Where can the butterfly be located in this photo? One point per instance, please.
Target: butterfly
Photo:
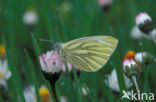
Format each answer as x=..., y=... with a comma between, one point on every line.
x=87, y=53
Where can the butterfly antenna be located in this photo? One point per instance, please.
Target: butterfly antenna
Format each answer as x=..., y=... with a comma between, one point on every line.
x=44, y=40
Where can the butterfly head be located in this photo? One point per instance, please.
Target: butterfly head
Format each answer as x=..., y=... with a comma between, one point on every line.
x=56, y=46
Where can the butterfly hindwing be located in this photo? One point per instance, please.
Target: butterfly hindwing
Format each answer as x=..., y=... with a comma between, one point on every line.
x=89, y=53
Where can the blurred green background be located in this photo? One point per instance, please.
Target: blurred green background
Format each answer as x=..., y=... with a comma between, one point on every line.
x=62, y=22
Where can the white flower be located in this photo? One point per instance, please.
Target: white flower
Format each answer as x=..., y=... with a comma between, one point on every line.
x=139, y=56
x=144, y=23
x=104, y=2
x=113, y=81
x=29, y=94
x=142, y=17
x=51, y=62
x=63, y=99
x=5, y=73
x=136, y=33
x=30, y=18
x=128, y=63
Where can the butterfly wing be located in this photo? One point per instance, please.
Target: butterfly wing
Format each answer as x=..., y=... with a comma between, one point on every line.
x=89, y=53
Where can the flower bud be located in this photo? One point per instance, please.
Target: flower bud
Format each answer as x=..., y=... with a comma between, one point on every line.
x=130, y=67
x=105, y=4
x=144, y=22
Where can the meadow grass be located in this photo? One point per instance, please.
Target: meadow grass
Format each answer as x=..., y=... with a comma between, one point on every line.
x=85, y=19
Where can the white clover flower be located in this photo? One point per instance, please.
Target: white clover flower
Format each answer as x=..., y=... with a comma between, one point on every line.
x=51, y=62
x=30, y=18
x=136, y=33
x=5, y=73
x=112, y=81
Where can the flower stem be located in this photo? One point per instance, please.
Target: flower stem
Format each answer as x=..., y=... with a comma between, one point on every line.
x=135, y=83
x=54, y=91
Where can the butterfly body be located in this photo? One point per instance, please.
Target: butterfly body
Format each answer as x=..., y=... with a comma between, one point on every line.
x=87, y=53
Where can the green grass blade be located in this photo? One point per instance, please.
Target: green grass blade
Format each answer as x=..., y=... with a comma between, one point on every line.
x=15, y=75
x=34, y=78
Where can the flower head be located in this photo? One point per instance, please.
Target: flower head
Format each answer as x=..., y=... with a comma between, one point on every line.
x=30, y=95
x=112, y=81
x=144, y=57
x=105, y=4
x=44, y=94
x=130, y=67
x=144, y=22
x=5, y=73
x=51, y=62
x=30, y=18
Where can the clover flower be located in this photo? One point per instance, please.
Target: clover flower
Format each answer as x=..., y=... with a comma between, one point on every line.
x=105, y=4
x=112, y=81
x=30, y=18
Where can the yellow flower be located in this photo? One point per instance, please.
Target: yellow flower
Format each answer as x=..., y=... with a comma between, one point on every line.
x=2, y=50
x=44, y=94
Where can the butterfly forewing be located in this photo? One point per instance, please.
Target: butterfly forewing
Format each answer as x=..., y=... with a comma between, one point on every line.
x=89, y=53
